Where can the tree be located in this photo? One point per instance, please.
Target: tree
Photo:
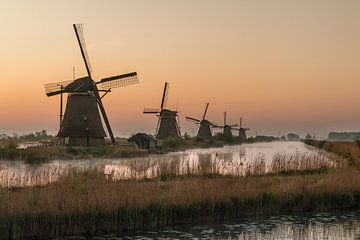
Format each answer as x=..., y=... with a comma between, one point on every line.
x=293, y=137
x=308, y=136
x=10, y=149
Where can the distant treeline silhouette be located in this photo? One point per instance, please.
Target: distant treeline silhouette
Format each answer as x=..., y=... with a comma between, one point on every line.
x=40, y=135
x=350, y=136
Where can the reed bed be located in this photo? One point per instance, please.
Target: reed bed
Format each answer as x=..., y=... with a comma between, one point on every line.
x=298, y=162
x=19, y=174
x=350, y=151
x=213, y=164
x=90, y=205
x=205, y=187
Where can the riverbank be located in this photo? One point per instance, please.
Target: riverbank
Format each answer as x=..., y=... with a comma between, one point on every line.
x=347, y=150
x=48, y=153
x=42, y=154
x=90, y=205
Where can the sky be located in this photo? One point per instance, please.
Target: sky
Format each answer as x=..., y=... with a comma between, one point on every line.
x=283, y=65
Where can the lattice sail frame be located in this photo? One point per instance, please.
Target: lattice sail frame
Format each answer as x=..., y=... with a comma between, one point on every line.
x=55, y=87
x=107, y=85
x=80, y=32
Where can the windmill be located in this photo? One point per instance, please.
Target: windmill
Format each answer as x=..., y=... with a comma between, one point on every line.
x=167, y=123
x=242, y=131
x=204, y=132
x=81, y=124
x=227, y=127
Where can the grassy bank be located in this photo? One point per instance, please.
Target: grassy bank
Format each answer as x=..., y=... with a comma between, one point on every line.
x=176, y=144
x=89, y=204
x=348, y=150
x=41, y=154
x=47, y=153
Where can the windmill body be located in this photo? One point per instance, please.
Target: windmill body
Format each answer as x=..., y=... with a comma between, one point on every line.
x=168, y=126
x=242, y=132
x=204, y=132
x=227, y=131
x=81, y=123
x=227, y=128
x=167, y=123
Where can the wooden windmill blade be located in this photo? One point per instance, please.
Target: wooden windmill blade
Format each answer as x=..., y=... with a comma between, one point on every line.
x=214, y=125
x=151, y=111
x=52, y=89
x=164, y=96
x=193, y=119
x=118, y=81
x=178, y=126
x=205, y=111
x=78, y=28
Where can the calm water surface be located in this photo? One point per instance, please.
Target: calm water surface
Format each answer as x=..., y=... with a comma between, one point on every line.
x=228, y=160
x=318, y=226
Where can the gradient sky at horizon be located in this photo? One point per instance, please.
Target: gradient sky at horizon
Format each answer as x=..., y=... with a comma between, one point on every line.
x=285, y=66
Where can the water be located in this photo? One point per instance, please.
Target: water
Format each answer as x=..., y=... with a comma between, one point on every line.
x=229, y=160
x=317, y=226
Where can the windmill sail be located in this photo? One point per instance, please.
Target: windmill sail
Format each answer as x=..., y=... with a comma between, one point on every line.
x=81, y=40
x=205, y=111
x=193, y=119
x=52, y=89
x=118, y=81
x=151, y=110
x=164, y=96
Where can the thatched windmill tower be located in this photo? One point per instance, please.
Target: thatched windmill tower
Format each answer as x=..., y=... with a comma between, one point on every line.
x=167, y=123
x=242, y=132
x=204, y=132
x=81, y=124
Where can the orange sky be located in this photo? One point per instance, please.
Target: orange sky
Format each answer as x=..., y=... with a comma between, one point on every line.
x=283, y=65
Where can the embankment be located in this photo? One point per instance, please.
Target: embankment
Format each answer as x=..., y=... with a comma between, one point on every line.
x=348, y=150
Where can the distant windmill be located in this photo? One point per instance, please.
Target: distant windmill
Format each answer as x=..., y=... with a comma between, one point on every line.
x=242, y=132
x=227, y=127
x=204, y=132
x=167, y=124
x=81, y=123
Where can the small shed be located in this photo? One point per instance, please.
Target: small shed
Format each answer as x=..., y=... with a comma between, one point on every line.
x=143, y=140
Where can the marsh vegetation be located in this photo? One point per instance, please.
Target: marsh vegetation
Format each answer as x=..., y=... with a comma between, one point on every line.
x=200, y=190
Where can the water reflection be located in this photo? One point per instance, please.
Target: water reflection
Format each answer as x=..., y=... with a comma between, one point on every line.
x=343, y=226
x=229, y=160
